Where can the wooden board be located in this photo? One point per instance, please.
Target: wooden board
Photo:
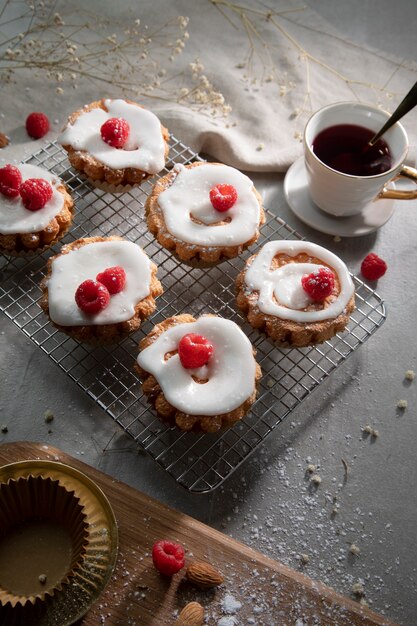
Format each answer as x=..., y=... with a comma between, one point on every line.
x=269, y=593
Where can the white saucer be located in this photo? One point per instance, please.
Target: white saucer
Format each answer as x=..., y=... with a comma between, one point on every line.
x=373, y=216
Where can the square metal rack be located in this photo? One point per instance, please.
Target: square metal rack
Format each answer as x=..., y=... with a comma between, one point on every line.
x=198, y=462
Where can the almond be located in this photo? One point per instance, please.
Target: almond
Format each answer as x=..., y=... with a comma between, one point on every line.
x=203, y=575
x=4, y=141
x=191, y=615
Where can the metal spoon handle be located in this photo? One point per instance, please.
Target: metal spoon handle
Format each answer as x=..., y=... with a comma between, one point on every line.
x=404, y=107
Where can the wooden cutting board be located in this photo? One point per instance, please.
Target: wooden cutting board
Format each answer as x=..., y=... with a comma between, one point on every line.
x=269, y=593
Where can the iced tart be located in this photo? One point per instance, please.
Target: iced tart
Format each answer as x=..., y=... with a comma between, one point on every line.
x=199, y=374
x=99, y=289
x=36, y=209
x=205, y=212
x=298, y=292
x=117, y=142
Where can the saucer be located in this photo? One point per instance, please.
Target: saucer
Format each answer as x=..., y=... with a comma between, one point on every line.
x=372, y=217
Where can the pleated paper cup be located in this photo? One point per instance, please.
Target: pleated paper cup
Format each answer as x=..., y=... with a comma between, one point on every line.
x=43, y=539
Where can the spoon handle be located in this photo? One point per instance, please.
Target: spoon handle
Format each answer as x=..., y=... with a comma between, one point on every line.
x=404, y=107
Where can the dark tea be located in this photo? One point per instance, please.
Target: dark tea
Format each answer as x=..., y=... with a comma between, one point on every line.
x=344, y=148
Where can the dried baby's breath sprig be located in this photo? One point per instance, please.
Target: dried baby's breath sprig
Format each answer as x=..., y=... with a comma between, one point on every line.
x=264, y=29
x=69, y=47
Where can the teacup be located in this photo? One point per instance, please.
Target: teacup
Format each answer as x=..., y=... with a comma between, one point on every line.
x=343, y=194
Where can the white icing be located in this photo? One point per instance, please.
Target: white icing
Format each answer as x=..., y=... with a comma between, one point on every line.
x=189, y=196
x=15, y=218
x=144, y=148
x=230, y=371
x=70, y=270
x=280, y=289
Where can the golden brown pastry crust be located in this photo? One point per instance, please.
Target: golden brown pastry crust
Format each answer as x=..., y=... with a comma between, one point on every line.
x=84, y=162
x=168, y=413
x=288, y=332
x=20, y=243
x=106, y=333
x=186, y=251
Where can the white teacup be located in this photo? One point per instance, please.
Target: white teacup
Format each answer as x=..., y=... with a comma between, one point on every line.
x=343, y=194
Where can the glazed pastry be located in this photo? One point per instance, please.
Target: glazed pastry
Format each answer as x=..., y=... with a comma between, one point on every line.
x=36, y=209
x=99, y=289
x=117, y=142
x=205, y=211
x=199, y=374
x=297, y=292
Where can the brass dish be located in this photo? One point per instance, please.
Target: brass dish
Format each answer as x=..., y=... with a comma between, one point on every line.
x=91, y=577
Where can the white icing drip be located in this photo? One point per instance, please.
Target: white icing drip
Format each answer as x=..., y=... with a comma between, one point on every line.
x=15, y=218
x=144, y=149
x=285, y=280
x=189, y=196
x=230, y=371
x=70, y=270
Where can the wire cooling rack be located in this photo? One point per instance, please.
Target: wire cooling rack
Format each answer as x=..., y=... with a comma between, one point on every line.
x=197, y=462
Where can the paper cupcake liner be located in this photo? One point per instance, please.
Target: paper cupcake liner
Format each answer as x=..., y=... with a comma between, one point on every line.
x=43, y=535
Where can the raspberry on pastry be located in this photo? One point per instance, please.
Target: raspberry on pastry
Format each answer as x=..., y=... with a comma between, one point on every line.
x=297, y=292
x=216, y=384
x=81, y=306
x=117, y=142
x=36, y=209
x=205, y=212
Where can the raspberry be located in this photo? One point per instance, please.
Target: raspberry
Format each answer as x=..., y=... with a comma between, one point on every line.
x=168, y=557
x=37, y=125
x=10, y=181
x=223, y=197
x=194, y=350
x=35, y=193
x=373, y=267
x=114, y=278
x=92, y=297
x=115, y=132
x=319, y=284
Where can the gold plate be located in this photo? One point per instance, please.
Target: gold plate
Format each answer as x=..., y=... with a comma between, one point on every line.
x=92, y=576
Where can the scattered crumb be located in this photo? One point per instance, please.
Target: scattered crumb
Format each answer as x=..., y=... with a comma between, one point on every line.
x=354, y=549
x=410, y=375
x=4, y=429
x=369, y=430
x=358, y=590
x=402, y=404
x=337, y=238
x=49, y=416
x=316, y=479
x=260, y=147
x=304, y=558
x=311, y=468
x=42, y=579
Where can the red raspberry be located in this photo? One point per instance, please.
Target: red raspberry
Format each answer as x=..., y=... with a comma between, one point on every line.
x=115, y=132
x=373, y=267
x=35, y=193
x=168, y=557
x=37, y=125
x=92, y=297
x=223, y=197
x=194, y=350
x=319, y=284
x=10, y=181
x=114, y=278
